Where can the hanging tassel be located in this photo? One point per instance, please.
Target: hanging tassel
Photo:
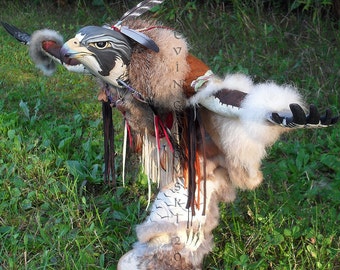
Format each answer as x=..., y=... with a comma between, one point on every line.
x=149, y=194
x=109, y=150
x=198, y=178
x=162, y=131
x=157, y=135
x=194, y=132
x=191, y=138
x=164, y=158
x=202, y=134
x=147, y=163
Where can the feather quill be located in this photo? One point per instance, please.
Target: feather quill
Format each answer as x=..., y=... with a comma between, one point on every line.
x=135, y=12
x=140, y=9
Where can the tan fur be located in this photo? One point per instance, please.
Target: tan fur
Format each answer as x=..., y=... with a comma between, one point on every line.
x=243, y=167
x=138, y=114
x=160, y=76
x=165, y=259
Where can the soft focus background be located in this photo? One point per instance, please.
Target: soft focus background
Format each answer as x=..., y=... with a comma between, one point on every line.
x=55, y=210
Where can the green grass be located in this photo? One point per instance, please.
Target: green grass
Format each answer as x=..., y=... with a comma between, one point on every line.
x=55, y=211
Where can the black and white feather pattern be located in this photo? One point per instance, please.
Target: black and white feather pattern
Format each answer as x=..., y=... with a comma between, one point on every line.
x=21, y=36
x=135, y=12
x=140, y=9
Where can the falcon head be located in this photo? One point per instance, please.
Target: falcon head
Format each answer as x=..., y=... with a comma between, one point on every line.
x=104, y=52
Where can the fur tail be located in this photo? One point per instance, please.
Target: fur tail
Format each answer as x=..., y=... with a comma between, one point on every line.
x=40, y=57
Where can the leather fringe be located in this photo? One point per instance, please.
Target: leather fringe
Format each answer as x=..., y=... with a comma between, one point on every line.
x=194, y=133
x=109, y=149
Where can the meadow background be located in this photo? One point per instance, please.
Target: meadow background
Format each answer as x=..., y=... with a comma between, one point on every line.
x=55, y=210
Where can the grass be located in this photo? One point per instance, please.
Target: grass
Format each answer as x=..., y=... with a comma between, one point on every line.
x=55, y=211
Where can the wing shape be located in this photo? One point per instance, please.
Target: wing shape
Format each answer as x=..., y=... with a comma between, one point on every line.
x=262, y=103
x=299, y=119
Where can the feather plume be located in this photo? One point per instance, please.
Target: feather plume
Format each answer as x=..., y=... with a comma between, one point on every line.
x=19, y=35
x=140, y=9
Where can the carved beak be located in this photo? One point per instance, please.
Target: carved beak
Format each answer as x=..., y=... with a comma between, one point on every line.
x=74, y=49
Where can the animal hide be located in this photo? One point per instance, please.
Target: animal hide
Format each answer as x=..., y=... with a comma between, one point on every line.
x=159, y=76
x=168, y=239
x=243, y=138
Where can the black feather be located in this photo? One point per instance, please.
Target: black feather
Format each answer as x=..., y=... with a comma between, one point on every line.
x=19, y=35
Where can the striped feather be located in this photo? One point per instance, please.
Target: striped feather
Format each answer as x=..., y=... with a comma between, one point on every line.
x=140, y=9
x=19, y=35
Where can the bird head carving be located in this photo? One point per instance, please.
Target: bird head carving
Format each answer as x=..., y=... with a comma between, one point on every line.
x=104, y=53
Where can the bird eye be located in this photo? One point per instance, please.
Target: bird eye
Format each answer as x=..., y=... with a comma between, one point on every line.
x=101, y=44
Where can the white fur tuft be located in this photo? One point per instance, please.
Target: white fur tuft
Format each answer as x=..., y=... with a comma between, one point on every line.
x=262, y=100
x=42, y=60
x=244, y=139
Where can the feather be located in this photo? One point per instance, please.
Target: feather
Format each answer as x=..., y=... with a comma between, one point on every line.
x=297, y=118
x=137, y=11
x=140, y=9
x=19, y=35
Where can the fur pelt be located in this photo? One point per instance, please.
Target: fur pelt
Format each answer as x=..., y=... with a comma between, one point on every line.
x=235, y=147
x=243, y=140
x=167, y=239
x=160, y=76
